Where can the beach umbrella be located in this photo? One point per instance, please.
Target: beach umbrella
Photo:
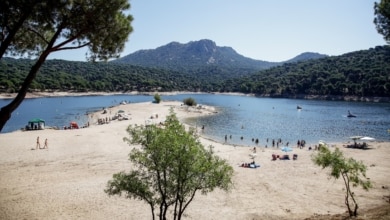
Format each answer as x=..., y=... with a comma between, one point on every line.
x=356, y=137
x=286, y=149
x=367, y=139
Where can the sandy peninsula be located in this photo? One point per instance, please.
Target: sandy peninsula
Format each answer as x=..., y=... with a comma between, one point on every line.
x=67, y=180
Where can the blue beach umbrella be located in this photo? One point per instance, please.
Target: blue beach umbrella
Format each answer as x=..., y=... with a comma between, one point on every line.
x=286, y=149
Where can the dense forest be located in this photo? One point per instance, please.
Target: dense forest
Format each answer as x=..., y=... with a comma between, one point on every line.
x=60, y=75
x=363, y=73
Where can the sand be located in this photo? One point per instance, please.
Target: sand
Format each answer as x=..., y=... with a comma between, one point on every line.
x=67, y=180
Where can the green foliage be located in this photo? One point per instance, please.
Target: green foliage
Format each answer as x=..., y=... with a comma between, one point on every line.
x=171, y=166
x=51, y=26
x=38, y=28
x=382, y=18
x=189, y=101
x=157, y=98
x=361, y=73
x=352, y=171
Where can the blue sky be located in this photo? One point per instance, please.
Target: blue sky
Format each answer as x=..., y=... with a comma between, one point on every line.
x=269, y=30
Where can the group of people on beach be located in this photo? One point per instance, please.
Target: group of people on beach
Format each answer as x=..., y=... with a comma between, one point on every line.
x=300, y=143
x=45, y=146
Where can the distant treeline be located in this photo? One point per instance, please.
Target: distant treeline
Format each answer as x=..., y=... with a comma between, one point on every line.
x=362, y=73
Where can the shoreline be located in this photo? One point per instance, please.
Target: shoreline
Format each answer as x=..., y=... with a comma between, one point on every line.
x=76, y=94
x=299, y=96
x=69, y=177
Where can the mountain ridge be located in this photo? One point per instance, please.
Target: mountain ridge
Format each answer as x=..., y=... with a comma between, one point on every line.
x=201, y=54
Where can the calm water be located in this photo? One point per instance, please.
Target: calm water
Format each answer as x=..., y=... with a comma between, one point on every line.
x=249, y=117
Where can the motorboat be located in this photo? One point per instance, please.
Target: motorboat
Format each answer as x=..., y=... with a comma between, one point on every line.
x=350, y=115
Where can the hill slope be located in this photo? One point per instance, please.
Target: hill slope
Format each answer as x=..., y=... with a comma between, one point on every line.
x=360, y=74
x=201, y=54
x=364, y=73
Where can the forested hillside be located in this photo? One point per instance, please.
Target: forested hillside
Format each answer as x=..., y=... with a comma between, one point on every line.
x=60, y=75
x=360, y=73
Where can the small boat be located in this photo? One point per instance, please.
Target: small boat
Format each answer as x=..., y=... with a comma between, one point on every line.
x=299, y=107
x=350, y=115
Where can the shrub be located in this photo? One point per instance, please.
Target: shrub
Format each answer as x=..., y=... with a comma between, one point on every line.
x=189, y=101
x=157, y=98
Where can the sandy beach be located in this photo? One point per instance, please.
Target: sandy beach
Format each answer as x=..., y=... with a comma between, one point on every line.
x=67, y=180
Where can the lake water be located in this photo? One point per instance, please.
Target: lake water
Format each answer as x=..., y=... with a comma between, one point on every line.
x=239, y=116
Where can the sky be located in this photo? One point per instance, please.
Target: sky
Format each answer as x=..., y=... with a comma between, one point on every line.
x=269, y=30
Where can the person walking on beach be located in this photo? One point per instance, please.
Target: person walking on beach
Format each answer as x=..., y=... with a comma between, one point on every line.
x=46, y=144
x=38, y=144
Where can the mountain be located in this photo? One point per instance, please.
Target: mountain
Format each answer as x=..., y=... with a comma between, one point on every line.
x=362, y=73
x=306, y=56
x=201, y=54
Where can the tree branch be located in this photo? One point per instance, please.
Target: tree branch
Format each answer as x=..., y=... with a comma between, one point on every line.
x=38, y=34
x=71, y=48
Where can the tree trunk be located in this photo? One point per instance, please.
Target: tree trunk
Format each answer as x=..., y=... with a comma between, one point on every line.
x=347, y=204
x=6, y=111
x=355, y=203
x=151, y=209
x=346, y=181
x=348, y=195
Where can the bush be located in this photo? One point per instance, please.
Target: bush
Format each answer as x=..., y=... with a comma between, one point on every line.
x=157, y=98
x=189, y=101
